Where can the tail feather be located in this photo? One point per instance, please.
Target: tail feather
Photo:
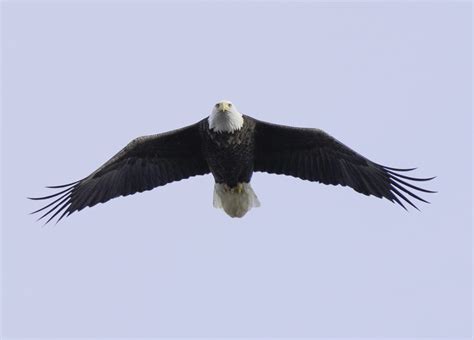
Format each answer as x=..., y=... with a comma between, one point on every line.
x=234, y=203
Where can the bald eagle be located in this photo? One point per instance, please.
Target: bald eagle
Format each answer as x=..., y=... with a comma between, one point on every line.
x=231, y=146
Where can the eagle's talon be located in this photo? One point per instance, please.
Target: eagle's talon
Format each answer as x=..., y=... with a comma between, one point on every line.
x=239, y=188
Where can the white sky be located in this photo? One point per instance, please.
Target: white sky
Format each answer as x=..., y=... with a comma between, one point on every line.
x=392, y=81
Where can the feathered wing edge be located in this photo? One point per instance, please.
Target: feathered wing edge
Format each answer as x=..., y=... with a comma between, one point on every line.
x=145, y=163
x=67, y=200
x=399, y=187
x=316, y=156
x=59, y=204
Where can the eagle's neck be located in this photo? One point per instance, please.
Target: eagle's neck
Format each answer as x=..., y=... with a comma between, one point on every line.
x=226, y=122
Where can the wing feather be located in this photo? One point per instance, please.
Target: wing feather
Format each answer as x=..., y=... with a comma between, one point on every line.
x=145, y=163
x=313, y=155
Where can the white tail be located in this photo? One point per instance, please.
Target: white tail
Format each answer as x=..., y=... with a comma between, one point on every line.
x=237, y=201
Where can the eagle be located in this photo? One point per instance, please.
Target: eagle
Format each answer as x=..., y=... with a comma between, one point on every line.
x=232, y=146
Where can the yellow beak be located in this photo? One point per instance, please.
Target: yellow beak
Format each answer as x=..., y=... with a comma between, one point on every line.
x=224, y=107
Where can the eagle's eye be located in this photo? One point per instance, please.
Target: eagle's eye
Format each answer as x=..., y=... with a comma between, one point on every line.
x=217, y=105
x=230, y=104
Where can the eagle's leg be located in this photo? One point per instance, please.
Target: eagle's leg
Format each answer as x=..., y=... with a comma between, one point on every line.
x=238, y=189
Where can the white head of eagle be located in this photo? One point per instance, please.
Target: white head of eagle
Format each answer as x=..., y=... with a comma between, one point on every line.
x=225, y=117
x=231, y=147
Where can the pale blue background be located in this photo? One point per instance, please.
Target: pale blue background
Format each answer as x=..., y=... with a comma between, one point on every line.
x=391, y=80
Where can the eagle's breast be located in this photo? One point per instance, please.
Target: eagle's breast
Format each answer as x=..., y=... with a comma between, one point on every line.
x=230, y=155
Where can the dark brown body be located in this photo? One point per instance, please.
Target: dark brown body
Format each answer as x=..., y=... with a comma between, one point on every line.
x=230, y=156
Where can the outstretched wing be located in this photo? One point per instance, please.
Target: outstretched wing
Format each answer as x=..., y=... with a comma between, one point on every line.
x=145, y=163
x=313, y=155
